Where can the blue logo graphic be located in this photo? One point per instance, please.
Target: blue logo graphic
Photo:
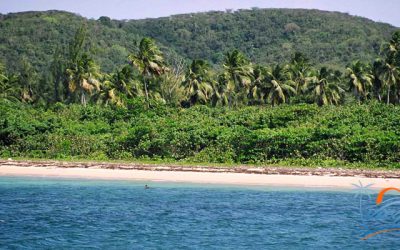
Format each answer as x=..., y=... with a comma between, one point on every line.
x=379, y=215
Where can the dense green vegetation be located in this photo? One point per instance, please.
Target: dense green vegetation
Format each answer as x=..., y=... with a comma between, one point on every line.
x=38, y=36
x=266, y=36
x=75, y=77
x=156, y=105
x=288, y=134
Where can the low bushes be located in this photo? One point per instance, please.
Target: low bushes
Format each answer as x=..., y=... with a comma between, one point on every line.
x=295, y=134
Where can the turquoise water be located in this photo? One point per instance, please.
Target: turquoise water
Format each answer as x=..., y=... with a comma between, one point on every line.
x=64, y=214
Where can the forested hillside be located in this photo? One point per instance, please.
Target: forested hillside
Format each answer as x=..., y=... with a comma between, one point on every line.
x=38, y=36
x=269, y=35
x=264, y=35
x=270, y=86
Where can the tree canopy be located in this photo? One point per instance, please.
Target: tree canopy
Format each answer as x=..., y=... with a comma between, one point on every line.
x=266, y=36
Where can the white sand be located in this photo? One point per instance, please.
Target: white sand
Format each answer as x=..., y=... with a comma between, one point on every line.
x=199, y=177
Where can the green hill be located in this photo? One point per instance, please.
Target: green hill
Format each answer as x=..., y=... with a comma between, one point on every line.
x=37, y=35
x=265, y=35
x=269, y=35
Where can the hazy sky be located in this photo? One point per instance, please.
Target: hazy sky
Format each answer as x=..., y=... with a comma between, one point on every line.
x=378, y=10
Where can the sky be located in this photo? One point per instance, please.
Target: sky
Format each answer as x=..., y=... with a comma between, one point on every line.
x=378, y=10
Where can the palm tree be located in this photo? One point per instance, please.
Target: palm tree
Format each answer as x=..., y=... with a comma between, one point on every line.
x=390, y=75
x=360, y=79
x=119, y=86
x=82, y=78
x=280, y=86
x=255, y=93
x=197, y=82
x=28, y=81
x=220, y=95
x=149, y=61
x=124, y=82
x=238, y=71
x=390, y=67
x=9, y=88
x=300, y=72
x=377, y=82
x=392, y=49
x=259, y=88
x=325, y=89
x=109, y=95
x=121, y=81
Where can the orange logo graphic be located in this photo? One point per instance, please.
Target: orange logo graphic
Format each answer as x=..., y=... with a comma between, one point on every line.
x=386, y=211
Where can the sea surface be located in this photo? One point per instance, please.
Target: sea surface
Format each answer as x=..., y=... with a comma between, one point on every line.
x=39, y=213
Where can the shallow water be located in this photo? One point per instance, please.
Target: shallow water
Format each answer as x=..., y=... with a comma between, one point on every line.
x=56, y=213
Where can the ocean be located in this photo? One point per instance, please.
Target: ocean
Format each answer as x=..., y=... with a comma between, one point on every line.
x=42, y=213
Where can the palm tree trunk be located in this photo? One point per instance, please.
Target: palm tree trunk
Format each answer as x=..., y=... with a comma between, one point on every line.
x=145, y=90
x=83, y=99
x=146, y=93
x=145, y=77
x=388, y=95
x=398, y=96
x=56, y=96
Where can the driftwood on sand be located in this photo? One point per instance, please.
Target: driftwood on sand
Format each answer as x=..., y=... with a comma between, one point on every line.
x=270, y=170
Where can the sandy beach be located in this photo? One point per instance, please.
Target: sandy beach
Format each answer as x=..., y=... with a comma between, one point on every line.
x=310, y=181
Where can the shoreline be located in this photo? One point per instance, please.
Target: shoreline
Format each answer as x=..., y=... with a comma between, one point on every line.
x=248, y=169
x=199, y=175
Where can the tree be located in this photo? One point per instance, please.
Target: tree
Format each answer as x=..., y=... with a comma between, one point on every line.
x=82, y=78
x=238, y=72
x=219, y=96
x=124, y=82
x=171, y=88
x=9, y=89
x=390, y=68
x=44, y=89
x=291, y=28
x=325, y=88
x=259, y=89
x=106, y=21
x=149, y=61
x=108, y=95
x=119, y=86
x=76, y=45
x=280, y=86
x=82, y=73
x=57, y=70
x=390, y=74
x=300, y=72
x=360, y=79
x=377, y=82
x=27, y=80
x=392, y=49
x=197, y=82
